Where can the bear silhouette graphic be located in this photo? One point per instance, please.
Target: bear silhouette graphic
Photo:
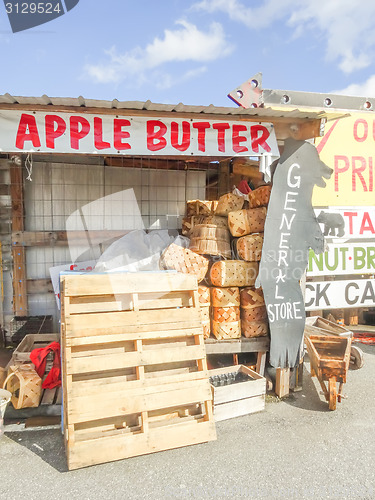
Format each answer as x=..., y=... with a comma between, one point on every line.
x=28, y=14
x=334, y=224
x=291, y=229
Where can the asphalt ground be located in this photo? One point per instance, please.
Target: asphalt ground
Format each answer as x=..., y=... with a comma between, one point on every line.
x=295, y=448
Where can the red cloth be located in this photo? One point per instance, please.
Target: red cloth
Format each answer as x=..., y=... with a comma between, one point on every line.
x=39, y=358
x=244, y=187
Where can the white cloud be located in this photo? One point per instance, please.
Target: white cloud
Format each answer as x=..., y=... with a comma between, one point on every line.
x=365, y=89
x=187, y=43
x=347, y=27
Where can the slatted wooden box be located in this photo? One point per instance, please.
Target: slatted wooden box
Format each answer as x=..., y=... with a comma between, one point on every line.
x=32, y=341
x=135, y=374
x=242, y=398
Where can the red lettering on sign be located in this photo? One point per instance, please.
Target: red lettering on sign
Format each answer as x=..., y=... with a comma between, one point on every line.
x=155, y=135
x=364, y=132
x=338, y=170
x=350, y=215
x=27, y=131
x=98, y=135
x=237, y=138
x=370, y=175
x=53, y=133
x=119, y=134
x=79, y=128
x=366, y=224
x=201, y=127
x=185, y=141
x=221, y=128
x=259, y=140
x=358, y=171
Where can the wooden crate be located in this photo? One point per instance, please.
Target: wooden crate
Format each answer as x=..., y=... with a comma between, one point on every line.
x=32, y=341
x=135, y=375
x=242, y=398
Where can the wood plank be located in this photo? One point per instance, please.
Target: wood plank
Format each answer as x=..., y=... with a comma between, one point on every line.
x=282, y=382
x=63, y=238
x=136, y=401
x=130, y=359
x=214, y=346
x=20, y=304
x=239, y=408
x=118, y=283
x=119, y=446
x=122, y=383
x=131, y=321
x=39, y=286
x=125, y=337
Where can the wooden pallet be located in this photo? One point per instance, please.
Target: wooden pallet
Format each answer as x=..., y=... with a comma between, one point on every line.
x=135, y=375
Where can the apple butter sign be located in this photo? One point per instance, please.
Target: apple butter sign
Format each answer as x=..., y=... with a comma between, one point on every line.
x=291, y=229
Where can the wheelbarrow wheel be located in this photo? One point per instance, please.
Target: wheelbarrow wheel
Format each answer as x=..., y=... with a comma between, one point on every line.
x=356, y=355
x=332, y=389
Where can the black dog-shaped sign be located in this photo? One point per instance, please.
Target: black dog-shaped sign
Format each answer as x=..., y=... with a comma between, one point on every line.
x=290, y=230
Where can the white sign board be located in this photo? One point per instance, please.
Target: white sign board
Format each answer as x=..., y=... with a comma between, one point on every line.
x=60, y=132
x=341, y=259
x=339, y=294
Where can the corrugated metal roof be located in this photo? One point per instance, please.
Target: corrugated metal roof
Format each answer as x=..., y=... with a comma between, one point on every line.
x=180, y=107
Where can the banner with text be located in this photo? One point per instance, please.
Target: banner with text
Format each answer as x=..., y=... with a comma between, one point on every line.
x=60, y=132
x=348, y=148
x=339, y=294
x=341, y=259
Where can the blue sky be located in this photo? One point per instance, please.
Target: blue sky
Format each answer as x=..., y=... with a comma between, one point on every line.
x=192, y=51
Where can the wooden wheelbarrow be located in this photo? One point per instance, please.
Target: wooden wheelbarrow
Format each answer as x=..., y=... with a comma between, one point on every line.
x=329, y=359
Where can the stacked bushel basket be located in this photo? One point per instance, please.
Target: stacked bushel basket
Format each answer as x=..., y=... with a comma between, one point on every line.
x=226, y=238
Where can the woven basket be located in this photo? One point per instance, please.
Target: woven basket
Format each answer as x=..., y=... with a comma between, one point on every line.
x=225, y=314
x=206, y=321
x=243, y=222
x=200, y=207
x=184, y=260
x=228, y=273
x=209, y=239
x=225, y=331
x=254, y=314
x=254, y=328
x=225, y=297
x=204, y=296
x=250, y=247
x=189, y=223
x=229, y=202
x=251, y=297
x=260, y=197
x=25, y=385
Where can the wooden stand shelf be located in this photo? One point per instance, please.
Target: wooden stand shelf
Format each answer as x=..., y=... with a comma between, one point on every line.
x=259, y=345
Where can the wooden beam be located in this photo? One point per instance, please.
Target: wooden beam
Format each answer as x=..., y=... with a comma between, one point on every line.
x=39, y=286
x=224, y=178
x=63, y=238
x=20, y=306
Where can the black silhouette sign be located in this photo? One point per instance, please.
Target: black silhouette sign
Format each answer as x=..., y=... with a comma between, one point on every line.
x=334, y=224
x=26, y=14
x=291, y=228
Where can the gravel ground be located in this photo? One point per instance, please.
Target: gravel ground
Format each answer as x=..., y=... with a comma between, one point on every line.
x=296, y=448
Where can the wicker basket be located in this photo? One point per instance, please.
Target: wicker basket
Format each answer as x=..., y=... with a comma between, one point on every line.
x=200, y=207
x=225, y=331
x=260, y=197
x=184, y=260
x=249, y=247
x=226, y=314
x=204, y=296
x=206, y=321
x=25, y=385
x=225, y=297
x=243, y=222
x=189, y=223
x=251, y=297
x=208, y=239
x=254, y=314
x=252, y=329
x=233, y=273
x=229, y=202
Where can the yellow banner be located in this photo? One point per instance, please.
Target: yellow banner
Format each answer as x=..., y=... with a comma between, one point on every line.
x=348, y=147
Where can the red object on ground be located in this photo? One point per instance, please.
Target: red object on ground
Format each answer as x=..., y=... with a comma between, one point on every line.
x=244, y=187
x=364, y=338
x=39, y=358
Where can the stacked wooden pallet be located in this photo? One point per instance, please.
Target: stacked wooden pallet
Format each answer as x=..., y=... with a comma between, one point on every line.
x=135, y=376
